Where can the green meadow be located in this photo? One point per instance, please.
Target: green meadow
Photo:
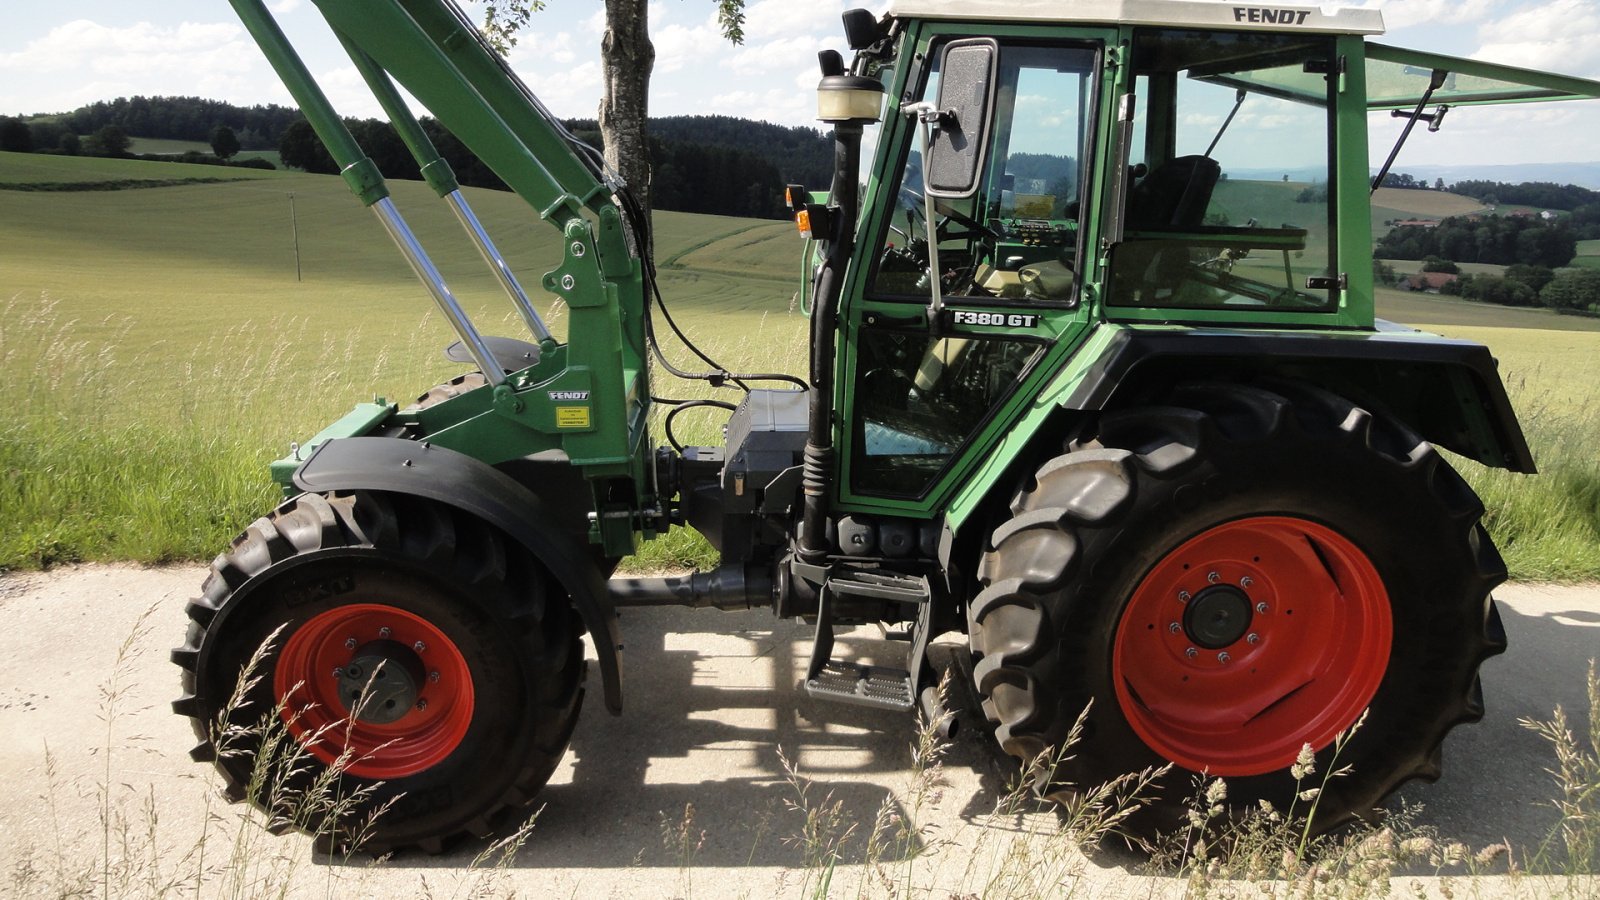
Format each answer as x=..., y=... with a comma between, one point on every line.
x=163, y=339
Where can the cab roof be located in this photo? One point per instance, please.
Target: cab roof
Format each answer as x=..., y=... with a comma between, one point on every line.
x=1181, y=13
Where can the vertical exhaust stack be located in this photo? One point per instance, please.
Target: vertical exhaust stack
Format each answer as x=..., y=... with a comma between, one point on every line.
x=848, y=102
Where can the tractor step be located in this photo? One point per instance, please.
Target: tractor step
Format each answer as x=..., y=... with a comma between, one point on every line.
x=876, y=686
x=878, y=585
x=843, y=681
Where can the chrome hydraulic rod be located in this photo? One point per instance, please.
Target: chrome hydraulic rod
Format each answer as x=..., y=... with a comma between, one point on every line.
x=497, y=263
x=361, y=174
x=423, y=266
x=443, y=181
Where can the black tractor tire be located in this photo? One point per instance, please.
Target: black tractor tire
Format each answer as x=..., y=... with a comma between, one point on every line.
x=1150, y=574
x=330, y=583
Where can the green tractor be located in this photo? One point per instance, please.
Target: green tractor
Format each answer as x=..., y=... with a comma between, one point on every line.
x=1091, y=381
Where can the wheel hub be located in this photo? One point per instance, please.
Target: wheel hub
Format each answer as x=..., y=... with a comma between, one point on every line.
x=381, y=683
x=1250, y=640
x=418, y=702
x=1217, y=616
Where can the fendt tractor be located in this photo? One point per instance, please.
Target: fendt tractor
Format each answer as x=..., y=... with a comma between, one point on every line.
x=1095, y=379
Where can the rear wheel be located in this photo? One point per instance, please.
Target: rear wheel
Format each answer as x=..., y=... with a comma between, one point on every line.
x=422, y=657
x=1229, y=577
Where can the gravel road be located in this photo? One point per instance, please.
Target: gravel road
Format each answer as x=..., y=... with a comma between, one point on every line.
x=92, y=757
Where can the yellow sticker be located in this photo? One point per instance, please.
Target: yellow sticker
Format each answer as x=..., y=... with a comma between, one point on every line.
x=572, y=417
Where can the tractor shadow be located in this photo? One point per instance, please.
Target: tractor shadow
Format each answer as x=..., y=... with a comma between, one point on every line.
x=1496, y=787
x=710, y=700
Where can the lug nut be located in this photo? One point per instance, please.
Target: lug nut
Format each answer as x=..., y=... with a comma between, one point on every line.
x=1261, y=607
x=421, y=705
x=433, y=677
x=338, y=672
x=1174, y=628
x=384, y=632
x=1224, y=658
x=349, y=643
x=1252, y=638
x=1213, y=577
x=1191, y=653
x=419, y=646
x=1246, y=581
x=1183, y=596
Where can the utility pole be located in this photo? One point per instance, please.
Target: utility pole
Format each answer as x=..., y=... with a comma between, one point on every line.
x=294, y=229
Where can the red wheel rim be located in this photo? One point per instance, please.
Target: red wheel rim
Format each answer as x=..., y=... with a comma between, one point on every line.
x=1230, y=694
x=311, y=673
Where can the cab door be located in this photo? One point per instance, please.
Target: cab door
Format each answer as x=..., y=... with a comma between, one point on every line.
x=926, y=388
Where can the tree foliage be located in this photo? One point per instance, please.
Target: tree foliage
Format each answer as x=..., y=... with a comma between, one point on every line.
x=1493, y=289
x=1546, y=194
x=707, y=164
x=1501, y=240
x=627, y=58
x=184, y=119
x=15, y=135
x=224, y=143
x=1572, y=289
x=109, y=140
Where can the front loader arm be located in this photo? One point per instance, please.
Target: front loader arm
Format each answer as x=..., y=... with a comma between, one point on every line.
x=588, y=398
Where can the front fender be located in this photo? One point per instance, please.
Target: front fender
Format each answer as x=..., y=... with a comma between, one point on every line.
x=398, y=466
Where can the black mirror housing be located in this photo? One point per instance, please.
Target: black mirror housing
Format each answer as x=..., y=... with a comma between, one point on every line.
x=966, y=102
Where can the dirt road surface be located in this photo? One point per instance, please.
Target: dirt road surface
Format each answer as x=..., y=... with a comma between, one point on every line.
x=97, y=783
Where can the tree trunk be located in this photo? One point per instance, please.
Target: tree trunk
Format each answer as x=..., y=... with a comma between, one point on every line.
x=627, y=57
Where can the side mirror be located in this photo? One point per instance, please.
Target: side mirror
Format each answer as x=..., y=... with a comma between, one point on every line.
x=966, y=100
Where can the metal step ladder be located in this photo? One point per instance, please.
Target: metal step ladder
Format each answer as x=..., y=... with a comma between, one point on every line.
x=880, y=687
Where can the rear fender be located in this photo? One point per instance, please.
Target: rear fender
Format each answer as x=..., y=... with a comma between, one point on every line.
x=1448, y=391
x=397, y=466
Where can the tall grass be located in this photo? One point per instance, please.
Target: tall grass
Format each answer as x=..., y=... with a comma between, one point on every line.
x=118, y=448
x=1547, y=527
x=99, y=466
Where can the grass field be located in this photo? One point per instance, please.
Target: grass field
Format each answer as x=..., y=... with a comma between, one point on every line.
x=161, y=350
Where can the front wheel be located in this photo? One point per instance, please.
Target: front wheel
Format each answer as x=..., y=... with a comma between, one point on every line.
x=1229, y=577
x=415, y=667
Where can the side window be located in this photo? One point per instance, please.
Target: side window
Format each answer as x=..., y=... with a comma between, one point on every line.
x=1017, y=239
x=1229, y=206
x=918, y=399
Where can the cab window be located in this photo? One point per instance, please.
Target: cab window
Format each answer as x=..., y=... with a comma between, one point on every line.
x=1230, y=174
x=1017, y=238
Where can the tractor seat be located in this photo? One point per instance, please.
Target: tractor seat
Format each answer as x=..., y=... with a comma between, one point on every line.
x=1175, y=195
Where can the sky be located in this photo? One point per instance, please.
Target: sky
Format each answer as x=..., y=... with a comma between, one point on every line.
x=57, y=56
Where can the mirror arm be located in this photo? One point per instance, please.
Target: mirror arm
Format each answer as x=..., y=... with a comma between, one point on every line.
x=928, y=115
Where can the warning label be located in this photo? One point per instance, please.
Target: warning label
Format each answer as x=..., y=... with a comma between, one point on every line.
x=572, y=417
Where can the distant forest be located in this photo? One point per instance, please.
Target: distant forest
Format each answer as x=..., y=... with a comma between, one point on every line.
x=707, y=164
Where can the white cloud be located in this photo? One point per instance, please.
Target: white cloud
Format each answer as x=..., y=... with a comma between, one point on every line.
x=776, y=105
x=782, y=55
x=677, y=46
x=284, y=7
x=1406, y=13
x=82, y=61
x=1555, y=35
x=571, y=91
x=84, y=45
x=786, y=18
